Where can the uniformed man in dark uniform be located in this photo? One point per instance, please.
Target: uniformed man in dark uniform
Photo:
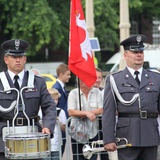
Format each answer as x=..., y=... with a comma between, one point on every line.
x=135, y=98
x=15, y=59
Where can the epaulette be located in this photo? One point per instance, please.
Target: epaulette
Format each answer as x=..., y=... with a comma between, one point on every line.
x=39, y=76
x=153, y=71
x=113, y=73
x=117, y=72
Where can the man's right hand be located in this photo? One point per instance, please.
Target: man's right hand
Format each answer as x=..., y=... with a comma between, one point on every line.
x=110, y=147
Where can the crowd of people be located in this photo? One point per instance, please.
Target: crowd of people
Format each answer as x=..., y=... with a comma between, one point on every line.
x=132, y=95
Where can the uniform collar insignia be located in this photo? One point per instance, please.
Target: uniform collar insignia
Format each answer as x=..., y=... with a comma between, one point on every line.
x=146, y=75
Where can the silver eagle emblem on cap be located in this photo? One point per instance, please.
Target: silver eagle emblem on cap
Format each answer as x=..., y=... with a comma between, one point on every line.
x=17, y=44
x=139, y=39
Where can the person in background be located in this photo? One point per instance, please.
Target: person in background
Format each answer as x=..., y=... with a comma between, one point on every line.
x=17, y=77
x=63, y=76
x=91, y=107
x=56, y=141
x=97, y=84
x=135, y=97
x=104, y=155
x=99, y=79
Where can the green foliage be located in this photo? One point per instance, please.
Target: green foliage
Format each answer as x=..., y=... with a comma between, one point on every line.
x=62, y=9
x=34, y=21
x=135, y=4
x=45, y=23
x=149, y=9
x=106, y=23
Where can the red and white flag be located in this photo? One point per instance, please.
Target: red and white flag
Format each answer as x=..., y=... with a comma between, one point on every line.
x=81, y=61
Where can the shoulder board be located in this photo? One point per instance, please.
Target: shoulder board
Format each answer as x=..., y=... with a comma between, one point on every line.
x=116, y=72
x=38, y=76
x=153, y=71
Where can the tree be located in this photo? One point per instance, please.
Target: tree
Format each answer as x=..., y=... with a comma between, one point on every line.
x=106, y=23
x=34, y=21
x=45, y=23
x=149, y=8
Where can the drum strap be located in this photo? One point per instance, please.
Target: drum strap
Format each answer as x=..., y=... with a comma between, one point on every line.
x=30, y=79
x=6, y=85
x=4, y=81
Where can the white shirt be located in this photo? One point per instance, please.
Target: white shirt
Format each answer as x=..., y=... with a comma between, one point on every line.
x=132, y=72
x=62, y=84
x=56, y=141
x=94, y=101
x=20, y=79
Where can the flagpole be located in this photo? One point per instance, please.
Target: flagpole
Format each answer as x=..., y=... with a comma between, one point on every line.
x=79, y=95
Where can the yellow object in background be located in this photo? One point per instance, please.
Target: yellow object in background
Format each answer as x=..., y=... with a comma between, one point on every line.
x=50, y=80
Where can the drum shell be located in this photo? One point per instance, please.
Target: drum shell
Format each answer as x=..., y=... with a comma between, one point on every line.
x=31, y=145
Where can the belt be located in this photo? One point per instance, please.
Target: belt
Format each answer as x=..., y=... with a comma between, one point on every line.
x=142, y=114
x=19, y=121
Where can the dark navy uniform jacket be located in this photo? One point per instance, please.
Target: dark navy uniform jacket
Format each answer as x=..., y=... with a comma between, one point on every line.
x=139, y=132
x=62, y=102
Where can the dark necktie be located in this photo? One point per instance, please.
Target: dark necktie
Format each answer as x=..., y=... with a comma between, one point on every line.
x=16, y=77
x=64, y=89
x=136, y=78
x=65, y=92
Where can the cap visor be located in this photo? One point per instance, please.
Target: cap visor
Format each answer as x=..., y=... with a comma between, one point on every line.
x=16, y=54
x=137, y=49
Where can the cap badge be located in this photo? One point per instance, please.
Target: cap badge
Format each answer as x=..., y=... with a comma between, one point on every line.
x=17, y=44
x=138, y=39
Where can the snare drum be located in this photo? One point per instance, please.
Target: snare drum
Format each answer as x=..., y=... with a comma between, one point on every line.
x=27, y=146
